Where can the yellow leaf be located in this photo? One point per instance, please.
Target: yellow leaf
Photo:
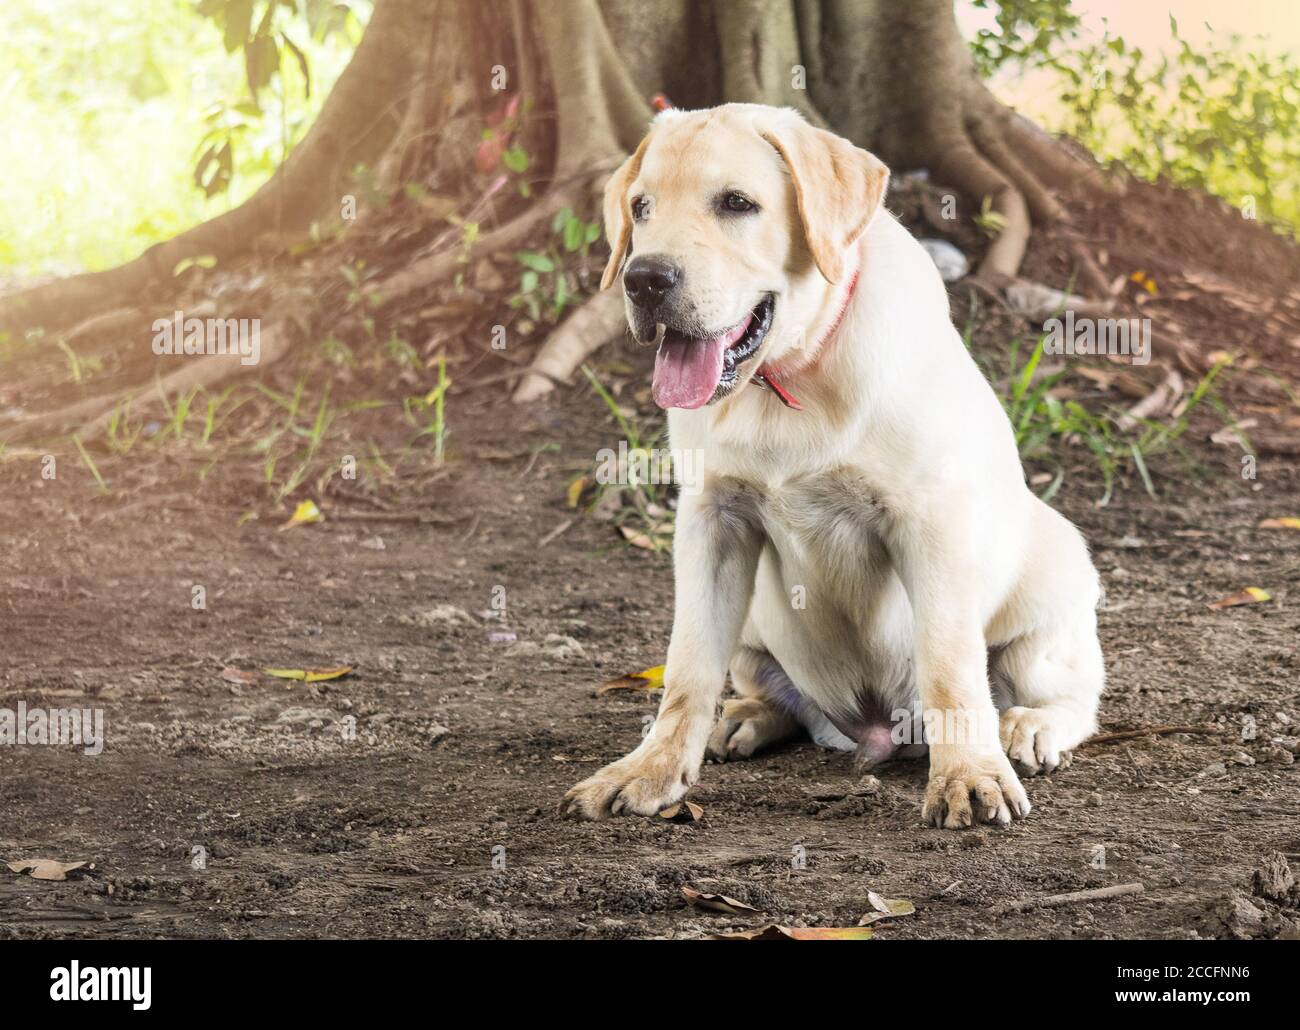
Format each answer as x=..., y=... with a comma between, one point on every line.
x=574, y=494
x=1283, y=523
x=646, y=679
x=886, y=908
x=799, y=933
x=309, y=675
x=1250, y=595
x=305, y=514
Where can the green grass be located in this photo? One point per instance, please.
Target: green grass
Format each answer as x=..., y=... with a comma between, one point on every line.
x=1046, y=426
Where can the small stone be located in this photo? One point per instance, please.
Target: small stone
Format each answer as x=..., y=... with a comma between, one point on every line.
x=1241, y=758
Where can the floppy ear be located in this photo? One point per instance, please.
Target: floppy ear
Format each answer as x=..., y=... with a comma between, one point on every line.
x=839, y=188
x=618, y=213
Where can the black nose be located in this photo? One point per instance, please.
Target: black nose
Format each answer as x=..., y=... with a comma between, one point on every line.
x=648, y=280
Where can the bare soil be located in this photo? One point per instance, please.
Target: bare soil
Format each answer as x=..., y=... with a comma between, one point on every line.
x=417, y=796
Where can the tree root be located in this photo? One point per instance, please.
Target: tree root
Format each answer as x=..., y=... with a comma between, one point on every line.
x=89, y=418
x=594, y=324
x=436, y=267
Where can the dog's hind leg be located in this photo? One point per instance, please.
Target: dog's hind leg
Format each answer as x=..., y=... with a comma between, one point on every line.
x=1052, y=680
x=760, y=715
x=769, y=709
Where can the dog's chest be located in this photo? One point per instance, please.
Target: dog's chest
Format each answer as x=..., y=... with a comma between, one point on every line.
x=829, y=526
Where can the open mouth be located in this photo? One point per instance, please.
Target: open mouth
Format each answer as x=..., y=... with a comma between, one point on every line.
x=690, y=371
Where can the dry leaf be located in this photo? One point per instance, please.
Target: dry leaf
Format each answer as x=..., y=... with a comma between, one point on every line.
x=637, y=539
x=683, y=812
x=646, y=679
x=716, y=902
x=47, y=868
x=309, y=675
x=574, y=494
x=1250, y=595
x=305, y=514
x=798, y=933
x=232, y=675
x=886, y=908
x=1283, y=523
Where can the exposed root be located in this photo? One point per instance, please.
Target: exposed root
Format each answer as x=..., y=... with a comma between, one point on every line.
x=421, y=274
x=594, y=324
x=972, y=173
x=601, y=113
x=1043, y=207
x=89, y=418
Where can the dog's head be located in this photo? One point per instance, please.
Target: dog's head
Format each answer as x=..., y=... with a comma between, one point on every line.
x=729, y=227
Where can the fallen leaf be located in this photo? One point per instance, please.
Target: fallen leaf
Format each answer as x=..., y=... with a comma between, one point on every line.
x=303, y=515
x=1250, y=595
x=232, y=675
x=886, y=908
x=47, y=868
x=716, y=902
x=1283, y=523
x=683, y=812
x=646, y=679
x=1232, y=434
x=574, y=494
x=798, y=933
x=636, y=538
x=309, y=675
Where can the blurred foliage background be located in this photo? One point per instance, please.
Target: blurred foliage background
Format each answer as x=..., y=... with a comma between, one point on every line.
x=108, y=106
x=123, y=122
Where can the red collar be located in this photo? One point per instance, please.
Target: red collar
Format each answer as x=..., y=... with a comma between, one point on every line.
x=766, y=378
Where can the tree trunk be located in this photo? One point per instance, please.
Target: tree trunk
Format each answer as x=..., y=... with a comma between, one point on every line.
x=895, y=77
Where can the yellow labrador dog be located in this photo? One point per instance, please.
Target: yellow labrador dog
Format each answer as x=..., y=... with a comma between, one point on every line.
x=862, y=552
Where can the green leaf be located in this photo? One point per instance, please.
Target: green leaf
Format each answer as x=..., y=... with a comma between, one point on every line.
x=536, y=262
x=516, y=159
x=573, y=234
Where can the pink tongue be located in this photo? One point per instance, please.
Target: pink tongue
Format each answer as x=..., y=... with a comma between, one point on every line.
x=687, y=372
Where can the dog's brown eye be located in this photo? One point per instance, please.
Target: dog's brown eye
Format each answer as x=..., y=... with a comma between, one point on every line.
x=641, y=208
x=737, y=203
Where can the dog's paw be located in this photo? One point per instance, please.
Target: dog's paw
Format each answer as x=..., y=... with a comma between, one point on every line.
x=1030, y=737
x=635, y=785
x=745, y=726
x=966, y=788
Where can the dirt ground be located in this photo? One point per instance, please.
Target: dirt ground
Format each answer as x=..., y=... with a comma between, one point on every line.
x=464, y=744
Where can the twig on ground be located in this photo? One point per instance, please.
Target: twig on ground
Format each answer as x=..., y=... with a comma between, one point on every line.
x=1151, y=731
x=1076, y=897
x=561, y=528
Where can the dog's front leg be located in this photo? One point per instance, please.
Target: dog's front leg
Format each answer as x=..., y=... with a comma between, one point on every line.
x=971, y=779
x=715, y=555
